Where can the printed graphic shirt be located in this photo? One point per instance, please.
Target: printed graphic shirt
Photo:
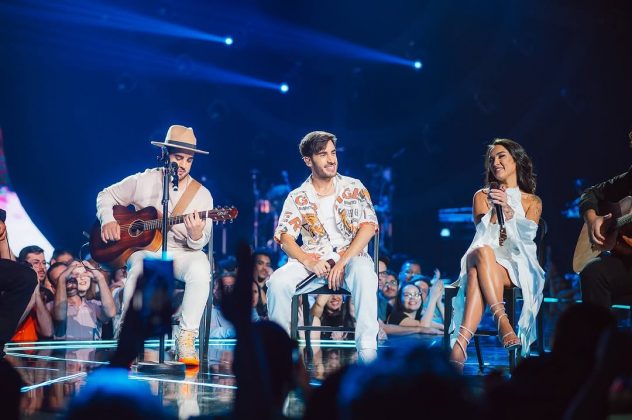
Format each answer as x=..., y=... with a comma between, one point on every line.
x=352, y=209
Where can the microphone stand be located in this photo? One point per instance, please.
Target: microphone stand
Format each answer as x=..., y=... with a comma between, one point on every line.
x=165, y=200
x=169, y=171
x=255, y=222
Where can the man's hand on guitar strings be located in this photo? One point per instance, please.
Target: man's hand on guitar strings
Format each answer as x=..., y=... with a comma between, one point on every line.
x=111, y=231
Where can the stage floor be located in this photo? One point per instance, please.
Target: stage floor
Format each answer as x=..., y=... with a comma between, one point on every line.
x=56, y=371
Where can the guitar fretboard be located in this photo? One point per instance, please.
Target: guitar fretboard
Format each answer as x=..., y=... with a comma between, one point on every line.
x=624, y=220
x=216, y=215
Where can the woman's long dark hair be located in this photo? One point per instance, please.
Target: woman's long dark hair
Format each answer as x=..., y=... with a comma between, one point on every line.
x=342, y=318
x=399, y=307
x=524, y=167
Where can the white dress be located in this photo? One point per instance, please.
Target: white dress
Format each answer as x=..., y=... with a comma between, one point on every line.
x=519, y=256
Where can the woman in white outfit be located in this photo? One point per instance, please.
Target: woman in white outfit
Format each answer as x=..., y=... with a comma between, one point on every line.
x=501, y=258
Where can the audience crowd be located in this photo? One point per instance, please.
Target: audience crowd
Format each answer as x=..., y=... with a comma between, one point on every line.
x=586, y=374
x=82, y=300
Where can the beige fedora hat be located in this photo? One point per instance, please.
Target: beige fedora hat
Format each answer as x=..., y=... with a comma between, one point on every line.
x=180, y=137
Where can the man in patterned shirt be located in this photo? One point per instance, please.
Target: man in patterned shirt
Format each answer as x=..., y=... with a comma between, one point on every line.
x=336, y=220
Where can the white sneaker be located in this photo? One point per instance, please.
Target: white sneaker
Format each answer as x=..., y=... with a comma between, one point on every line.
x=185, y=348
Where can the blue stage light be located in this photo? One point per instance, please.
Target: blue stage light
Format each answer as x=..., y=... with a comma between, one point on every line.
x=417, y=65
x=445, y=233
x=284, y=88
x=228, y=40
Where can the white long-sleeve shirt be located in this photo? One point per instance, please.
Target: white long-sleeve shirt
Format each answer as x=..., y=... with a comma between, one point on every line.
x=144, y=190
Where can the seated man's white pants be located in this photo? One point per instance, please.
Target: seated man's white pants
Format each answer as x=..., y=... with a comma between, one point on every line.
x=191, y=267
x=360, y=280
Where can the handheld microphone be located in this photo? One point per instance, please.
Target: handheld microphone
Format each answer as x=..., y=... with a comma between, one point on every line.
x=500, y=216
x=174, y=175
x=312, y=276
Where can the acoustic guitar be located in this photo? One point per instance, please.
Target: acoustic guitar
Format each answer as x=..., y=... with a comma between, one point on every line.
x=617, y=231
x=141, y=230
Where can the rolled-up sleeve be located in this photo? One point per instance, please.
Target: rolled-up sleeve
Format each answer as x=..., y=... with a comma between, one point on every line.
x=290, y=221
x=368, y=215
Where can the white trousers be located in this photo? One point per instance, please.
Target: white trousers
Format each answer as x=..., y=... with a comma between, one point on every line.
x=191, y=267
x=360, y=280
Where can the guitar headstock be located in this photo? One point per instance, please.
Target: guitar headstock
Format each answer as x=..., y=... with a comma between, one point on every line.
x=223, y=214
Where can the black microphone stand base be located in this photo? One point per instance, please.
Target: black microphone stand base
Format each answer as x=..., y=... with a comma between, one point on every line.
x=164, y=368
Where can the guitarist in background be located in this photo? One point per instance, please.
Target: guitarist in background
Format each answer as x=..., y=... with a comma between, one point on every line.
x=608, y=275
x=184, y=241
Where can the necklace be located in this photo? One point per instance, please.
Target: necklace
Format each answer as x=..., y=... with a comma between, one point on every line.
x=188, y=179
x=329, y=191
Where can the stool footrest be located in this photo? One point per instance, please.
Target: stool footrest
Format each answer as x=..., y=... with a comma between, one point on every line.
x=324, y=328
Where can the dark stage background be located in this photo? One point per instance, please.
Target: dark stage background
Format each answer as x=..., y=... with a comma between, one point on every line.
x=82, y=96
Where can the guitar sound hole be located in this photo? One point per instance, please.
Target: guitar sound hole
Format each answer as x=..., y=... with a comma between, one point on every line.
x=136, y=228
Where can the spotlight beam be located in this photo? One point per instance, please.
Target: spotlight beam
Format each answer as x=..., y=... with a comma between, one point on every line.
x=90, y=14
x=285, y=35
x=97, y=52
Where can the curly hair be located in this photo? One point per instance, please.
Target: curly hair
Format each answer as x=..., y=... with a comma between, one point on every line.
x=524, y=166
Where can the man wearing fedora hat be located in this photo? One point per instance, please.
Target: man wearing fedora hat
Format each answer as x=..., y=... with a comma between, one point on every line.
x=184, y=241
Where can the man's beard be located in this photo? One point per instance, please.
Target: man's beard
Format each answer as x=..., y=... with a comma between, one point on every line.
x=321, y=173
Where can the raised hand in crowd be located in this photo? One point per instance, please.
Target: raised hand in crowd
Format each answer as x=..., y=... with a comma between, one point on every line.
x=109, y=307
x=5, y=251
x=319, y=305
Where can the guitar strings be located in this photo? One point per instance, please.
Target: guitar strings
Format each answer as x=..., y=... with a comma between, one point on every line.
x=159, y=221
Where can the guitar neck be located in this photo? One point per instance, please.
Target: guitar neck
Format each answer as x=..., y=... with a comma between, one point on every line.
x=175, y=220
x=623, y=220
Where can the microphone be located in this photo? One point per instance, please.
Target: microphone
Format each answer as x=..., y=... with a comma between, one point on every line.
x=500, y=216
x=174, y=175
x=312, y=276
x=499, y=210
